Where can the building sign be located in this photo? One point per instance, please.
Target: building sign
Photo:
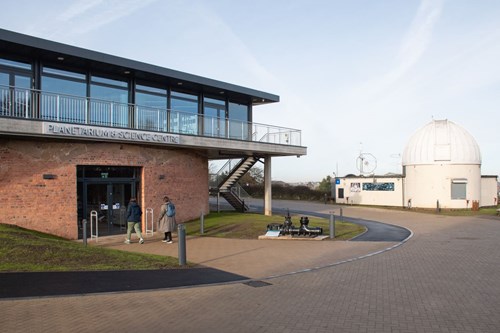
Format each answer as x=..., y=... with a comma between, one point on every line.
x=378, y=186
x=355, y=187
x=105, y=133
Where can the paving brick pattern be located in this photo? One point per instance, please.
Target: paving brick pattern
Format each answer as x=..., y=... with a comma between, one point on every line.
x=446, y=278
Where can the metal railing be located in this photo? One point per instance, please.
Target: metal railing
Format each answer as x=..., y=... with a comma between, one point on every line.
x=40, y=105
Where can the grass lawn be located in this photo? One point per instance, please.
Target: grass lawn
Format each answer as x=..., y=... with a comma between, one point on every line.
x=251, y=226
x=23, y=250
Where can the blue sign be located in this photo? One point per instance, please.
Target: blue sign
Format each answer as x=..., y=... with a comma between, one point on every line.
x=337, y=181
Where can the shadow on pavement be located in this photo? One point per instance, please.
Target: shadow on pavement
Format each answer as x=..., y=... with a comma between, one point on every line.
x=36, y=284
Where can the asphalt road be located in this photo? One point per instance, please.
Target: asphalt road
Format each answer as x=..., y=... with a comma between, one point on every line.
x=376, y=231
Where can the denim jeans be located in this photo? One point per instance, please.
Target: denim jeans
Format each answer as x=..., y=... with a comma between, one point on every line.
x=136, y=226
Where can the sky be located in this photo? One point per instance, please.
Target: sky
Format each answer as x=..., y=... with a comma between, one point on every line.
x=358, y=76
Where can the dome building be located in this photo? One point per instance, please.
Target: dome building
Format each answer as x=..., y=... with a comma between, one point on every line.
x=442, y=167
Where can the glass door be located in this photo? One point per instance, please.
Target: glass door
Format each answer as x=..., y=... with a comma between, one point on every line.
x=109, y=202
x=214, y=115
x=105, y=191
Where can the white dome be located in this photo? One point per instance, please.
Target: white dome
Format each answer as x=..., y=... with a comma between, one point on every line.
x=441, y=142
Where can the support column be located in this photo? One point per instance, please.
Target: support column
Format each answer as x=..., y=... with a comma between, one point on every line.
x=267, y=187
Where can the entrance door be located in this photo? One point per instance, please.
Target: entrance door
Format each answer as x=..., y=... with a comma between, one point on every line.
x=109, y=200
x=105, y=191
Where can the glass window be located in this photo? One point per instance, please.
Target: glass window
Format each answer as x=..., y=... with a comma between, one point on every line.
x=59, y=72
x=63, y=86
x=150, y=100
x=15, y=64
x=63, y=96
x=151, y=111
x=15, y=96
x=111, y=82
x=4, y=79
x=238, y=121
x=159, y=91
x=184, y=102
x=184, y=113
x=109, y=102
x=4, y=94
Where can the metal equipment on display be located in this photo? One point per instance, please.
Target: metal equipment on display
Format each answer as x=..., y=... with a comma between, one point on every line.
x=287, y=228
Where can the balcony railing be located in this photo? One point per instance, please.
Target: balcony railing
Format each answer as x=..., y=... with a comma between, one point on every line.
x=40, y=105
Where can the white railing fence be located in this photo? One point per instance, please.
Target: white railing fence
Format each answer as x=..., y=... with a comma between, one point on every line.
x=34, y=104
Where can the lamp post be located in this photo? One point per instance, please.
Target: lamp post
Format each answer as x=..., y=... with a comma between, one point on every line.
x=333, y=186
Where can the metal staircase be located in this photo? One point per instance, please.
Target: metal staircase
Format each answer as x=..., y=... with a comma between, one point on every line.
x=227, y=182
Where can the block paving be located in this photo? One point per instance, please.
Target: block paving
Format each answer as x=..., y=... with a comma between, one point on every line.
x=445, y=278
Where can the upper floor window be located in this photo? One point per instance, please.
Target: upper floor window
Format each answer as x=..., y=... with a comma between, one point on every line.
x=214, y=117
x=109, y=102
x=63, y=96
x=15, y=64
x=151, y=108
x=183, y=113
x=238, y=121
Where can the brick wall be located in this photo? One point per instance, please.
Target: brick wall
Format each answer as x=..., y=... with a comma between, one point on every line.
x=50, y=205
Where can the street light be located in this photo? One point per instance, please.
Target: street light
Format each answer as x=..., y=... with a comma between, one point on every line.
x=333, y=185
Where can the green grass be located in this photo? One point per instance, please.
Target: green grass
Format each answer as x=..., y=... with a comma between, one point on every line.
x=23, y=250
x=490, y=211
x=251, y=226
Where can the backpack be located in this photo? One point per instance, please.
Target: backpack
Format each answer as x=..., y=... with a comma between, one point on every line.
x=170, y=209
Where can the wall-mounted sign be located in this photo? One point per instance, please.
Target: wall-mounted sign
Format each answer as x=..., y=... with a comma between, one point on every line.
x=104, y=133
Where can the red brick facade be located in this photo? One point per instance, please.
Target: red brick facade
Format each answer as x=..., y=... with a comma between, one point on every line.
x=50, y=205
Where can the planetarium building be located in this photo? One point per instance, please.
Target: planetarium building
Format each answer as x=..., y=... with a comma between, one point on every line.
x=82, y=132
x=441, y=169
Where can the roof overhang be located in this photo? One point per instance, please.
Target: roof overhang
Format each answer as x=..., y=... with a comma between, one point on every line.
x=29, y=47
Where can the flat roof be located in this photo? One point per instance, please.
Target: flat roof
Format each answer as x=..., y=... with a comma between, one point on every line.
x=29, y=47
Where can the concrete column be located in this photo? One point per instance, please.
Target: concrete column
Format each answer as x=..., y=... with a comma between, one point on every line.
x=267, y=187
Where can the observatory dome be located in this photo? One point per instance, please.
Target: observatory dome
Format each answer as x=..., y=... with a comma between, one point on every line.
x=441, y=142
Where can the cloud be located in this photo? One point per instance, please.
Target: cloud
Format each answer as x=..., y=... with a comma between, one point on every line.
x=412, y=48
x=83, y=16
x=418, y=36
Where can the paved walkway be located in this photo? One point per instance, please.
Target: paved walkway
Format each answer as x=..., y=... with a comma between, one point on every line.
x=446, y=278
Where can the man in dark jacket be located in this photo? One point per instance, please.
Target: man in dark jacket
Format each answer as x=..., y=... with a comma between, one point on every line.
x=134, y=214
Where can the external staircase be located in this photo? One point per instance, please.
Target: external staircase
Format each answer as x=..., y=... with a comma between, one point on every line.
x=227, y=182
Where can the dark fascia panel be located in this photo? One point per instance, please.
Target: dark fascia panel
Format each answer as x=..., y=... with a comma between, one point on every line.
x=258, y=97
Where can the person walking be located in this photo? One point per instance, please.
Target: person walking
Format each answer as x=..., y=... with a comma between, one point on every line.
x=166, y=222
x=134, y=213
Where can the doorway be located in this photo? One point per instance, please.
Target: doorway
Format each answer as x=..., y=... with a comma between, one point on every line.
x=214, y=123
x=106, y=197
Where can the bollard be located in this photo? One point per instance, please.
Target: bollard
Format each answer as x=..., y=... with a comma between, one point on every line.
x=181, y=233
x=202, y=223
x=84, y=222
x=341, y=215
x=332, y=225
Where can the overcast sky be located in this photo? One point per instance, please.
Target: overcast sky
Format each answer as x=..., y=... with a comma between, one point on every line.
x=353, y=75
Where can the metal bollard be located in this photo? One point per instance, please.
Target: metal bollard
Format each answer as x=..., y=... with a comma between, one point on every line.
x=341, y=215
x=332, y=225
x=181, y=233
x=84, y=223
x=202, y=223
